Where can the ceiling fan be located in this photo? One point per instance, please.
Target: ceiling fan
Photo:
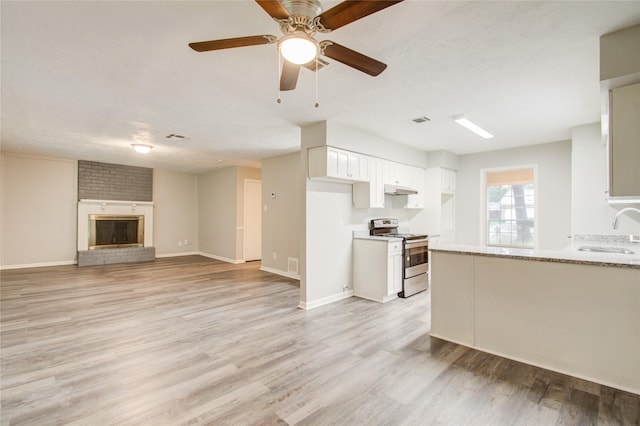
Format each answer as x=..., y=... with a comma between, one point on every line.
x=299, y=20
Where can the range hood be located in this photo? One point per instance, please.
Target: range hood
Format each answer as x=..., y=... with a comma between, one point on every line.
x=399, y=190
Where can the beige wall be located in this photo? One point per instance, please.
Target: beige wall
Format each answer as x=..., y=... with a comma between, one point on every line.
x=281, y=219
x=175, y=197
x=220, y=212
x=217, y=200
x=38, y=209
x=553, y=202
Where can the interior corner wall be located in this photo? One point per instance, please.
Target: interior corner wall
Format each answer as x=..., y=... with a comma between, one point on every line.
x=281, y=213
x=38, y=211
x=175, y=220
x=217, y=203
x=591, y=214
x=553, y=202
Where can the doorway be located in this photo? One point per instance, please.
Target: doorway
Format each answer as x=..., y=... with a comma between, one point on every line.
x=252, y=220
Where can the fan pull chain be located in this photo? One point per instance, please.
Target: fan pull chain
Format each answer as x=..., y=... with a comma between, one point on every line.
x=317, y=72
x=278, y=100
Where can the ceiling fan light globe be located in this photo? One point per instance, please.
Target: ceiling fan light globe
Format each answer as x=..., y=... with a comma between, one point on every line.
x=298, y=50
x=141, y=148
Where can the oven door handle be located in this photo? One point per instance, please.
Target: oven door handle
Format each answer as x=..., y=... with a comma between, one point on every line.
x=416, y=244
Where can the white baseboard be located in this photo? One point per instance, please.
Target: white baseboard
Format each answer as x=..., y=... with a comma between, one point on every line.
x=187, y=253
x=325, y=300
x=279, y=272
x=224, y=259
x=39, y=265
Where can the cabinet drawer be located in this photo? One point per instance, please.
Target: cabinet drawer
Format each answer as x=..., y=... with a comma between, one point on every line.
x=394, y=247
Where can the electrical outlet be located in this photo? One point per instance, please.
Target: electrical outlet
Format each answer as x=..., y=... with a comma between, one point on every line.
x=274, y=255
x=179, y=243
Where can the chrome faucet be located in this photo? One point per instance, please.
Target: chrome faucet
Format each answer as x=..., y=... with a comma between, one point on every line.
x=620, y=213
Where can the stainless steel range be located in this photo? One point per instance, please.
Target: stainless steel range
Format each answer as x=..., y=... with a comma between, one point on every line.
x=415, y=252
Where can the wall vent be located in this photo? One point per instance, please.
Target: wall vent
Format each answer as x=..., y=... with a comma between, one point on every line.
x=292, y=265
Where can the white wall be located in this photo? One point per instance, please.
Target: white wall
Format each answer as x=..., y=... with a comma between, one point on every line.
x=175, y=198
x=359, y=140
x=281, y=219
x=553, y=162
x=591, y=214
x=38, y=205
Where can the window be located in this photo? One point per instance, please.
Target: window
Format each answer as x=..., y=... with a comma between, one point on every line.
x=510, y=201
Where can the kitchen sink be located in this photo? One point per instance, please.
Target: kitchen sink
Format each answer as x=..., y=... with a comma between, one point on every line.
x=600, y=249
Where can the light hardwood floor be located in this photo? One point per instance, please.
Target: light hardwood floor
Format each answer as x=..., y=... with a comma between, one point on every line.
x=192, y=340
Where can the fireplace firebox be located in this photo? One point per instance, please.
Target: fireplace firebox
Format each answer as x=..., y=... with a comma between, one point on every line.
x=115, y=231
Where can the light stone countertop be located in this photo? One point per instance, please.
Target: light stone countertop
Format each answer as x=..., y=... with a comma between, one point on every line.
x=571, y=254
x=369, y=237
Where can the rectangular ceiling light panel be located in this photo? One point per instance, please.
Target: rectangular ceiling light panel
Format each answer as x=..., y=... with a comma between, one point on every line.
x=465, y=122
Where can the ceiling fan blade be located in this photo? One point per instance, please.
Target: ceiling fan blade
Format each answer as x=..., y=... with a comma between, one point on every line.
x=227, y=43
x=352, y=58
x=274, y=8
x=351, y=10
x=289, y=76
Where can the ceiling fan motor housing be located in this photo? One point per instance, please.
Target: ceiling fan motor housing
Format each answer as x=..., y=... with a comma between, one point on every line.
x=308, y=8
x=302, y=16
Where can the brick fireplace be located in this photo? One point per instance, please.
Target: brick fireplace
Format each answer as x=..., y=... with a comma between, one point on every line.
x=115, y=214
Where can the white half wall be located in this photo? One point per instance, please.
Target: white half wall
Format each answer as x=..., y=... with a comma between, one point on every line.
x=38, y=202
x=553, y=162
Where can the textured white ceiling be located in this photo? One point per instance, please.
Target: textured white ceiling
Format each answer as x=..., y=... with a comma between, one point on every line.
x=86, y=79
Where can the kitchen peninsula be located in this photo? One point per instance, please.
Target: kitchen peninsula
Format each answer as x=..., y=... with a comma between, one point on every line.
x=569, y=311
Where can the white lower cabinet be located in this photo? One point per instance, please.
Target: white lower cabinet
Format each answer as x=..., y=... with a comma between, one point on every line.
x=377, y=269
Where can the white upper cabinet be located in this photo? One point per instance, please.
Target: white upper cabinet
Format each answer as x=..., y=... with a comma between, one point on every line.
x=416, y=201
x=447, y=181
x=370, y=194
x=397, y=174
x=624, y=142
x=337, y=164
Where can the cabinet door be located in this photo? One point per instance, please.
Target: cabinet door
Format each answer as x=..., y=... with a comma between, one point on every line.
x=343, y=164
x=416, y=201
x=332, y=161
x=394, y=269
x=624, y=146
x=358, y=166
x=377, y=183
x=448, y=181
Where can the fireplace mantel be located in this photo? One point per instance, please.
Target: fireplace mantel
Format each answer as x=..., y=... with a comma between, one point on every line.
x=115, y=207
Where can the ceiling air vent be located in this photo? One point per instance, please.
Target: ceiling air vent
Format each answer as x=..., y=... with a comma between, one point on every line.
x=174, y=136
x=312, y=64
x=421, y=119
